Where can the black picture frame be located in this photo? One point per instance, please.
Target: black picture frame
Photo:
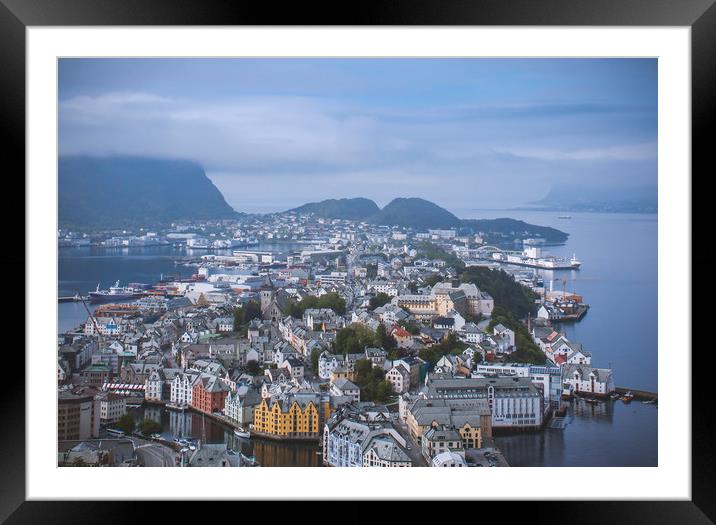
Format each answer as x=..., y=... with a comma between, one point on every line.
x=700, y=15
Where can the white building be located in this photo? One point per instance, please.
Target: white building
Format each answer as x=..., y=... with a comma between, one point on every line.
x=111, y=407
x=399, y=378
x=448, y=459
x=181, y=388
x=585, y=379
x=153, y=386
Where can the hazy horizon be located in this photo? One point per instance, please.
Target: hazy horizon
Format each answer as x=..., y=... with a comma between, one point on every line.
x=273, y=134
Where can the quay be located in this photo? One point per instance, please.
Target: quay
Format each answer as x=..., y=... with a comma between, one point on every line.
x=639, y=395
x=72, y=299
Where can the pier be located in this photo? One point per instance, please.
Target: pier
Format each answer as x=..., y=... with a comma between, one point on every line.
x=639, y=395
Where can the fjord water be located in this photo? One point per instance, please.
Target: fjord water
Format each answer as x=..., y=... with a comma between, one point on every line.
x=618, y=279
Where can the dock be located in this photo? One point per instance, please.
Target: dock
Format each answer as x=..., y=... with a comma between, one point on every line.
x=639, y=395
x=72, y=299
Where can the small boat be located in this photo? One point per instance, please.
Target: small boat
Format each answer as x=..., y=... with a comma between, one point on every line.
x=592, y=401
x=650, y=402
x=240, y=432
x=627, y=397
x=614, y=395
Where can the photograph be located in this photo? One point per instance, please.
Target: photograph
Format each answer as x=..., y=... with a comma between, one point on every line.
x=357, y=262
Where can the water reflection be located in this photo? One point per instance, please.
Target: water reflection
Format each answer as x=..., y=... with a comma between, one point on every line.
x=268, y=453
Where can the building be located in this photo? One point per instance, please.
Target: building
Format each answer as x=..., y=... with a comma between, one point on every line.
x=399, y=378
x=182, y=388
x=448, y=459
x=344, y=387
x=584, y=379
x=240, y=404
x=153, y=387
x=289, y=416
x=514, y=402
x=111, y=407
x=213, y=455
x=77, y=415
x=362, y=435
x=209, y=394
x=437, y=440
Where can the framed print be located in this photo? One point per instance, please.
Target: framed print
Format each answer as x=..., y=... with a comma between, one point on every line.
x=425, y=237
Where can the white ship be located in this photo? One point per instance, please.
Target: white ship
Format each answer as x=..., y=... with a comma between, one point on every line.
x=115, y=293
x=532, y=257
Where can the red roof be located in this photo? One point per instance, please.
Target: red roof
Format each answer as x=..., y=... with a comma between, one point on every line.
x=400, y=332
x=560, y=359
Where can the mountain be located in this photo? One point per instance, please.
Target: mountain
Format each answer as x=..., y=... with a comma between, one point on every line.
x=353, y=209
x=618, y=199
x=123, y=191
x=421, y=214
x=415, y=213
x=512, y=228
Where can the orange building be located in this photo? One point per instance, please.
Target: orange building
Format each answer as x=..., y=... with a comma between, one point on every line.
x=209, y=394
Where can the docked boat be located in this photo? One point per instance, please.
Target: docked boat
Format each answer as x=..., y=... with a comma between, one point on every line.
x=533, y=257
x=115, y=293
x=240, y=432
x=592, y=401
x=627, y=397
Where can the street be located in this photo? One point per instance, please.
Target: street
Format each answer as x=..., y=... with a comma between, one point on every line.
x=154, y=455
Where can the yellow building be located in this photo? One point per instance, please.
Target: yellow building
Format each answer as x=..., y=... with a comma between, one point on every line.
x=289, y=416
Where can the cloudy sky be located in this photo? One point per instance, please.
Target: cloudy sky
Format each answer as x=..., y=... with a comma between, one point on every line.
x=465, y=133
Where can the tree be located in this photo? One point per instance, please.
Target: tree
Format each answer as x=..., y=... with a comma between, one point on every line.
x=253, y=368
x=126, y=424
x=353, y=339
x=315, y=354
x=330, y=300
x=379, y=300
x=252, y=310
x=507, y=293
x=149, y=426
x=371, y=381
x=384, y=339
x=410, y=327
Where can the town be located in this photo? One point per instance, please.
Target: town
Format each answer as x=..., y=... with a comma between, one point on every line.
x=383, y=346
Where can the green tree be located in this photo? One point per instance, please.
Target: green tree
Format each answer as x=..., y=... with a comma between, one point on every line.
x=126, y=424
x=410, y=327
x=507, y=293
x=315, y=354
x=384, y=339
x=353, y=339
x=527, y=350
x=330, y=300
x=253, y=368
x=379, y=300
x=149, y=426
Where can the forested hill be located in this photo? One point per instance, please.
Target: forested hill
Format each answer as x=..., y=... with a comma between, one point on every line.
x=512, y=228
x=421, y=214
x=415, y=213
x=129, y=191
x=355, y=209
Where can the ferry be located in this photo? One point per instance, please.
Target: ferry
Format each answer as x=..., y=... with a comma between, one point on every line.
x=241, y=433
x=115, y=293
x=532, y=257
